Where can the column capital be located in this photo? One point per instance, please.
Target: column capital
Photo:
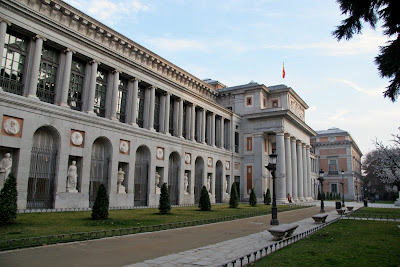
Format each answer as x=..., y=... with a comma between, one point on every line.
x=66, y=50
x=6, y=21
x=279, y=133
x=308, y=147
x=37, y=36
x=292, y=138
x=135, y=79
x=288, y=136
x=94, y=61
x=116, y=71
x=166, y=93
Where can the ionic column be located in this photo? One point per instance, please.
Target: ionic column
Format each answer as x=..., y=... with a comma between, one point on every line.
x=305, y=189
x=180, y=118
x=176, y=117
x=294, y=169
x=300, y=171
x=222, y=141
x=288, y=161
x=166, y=113
x=32, y=85
x=280, y=169
x=133, y=86
x=114, y=97
x=152, y=106
x=146, y=110
x=3, y=31
x=188, y=120
x=92, y=87
x=213, y=129
x=162, y=113
x=309, y=173
x=203, y=126
x=193, y=122
x=67, y=75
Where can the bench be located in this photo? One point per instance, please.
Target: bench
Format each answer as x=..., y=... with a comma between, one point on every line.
x=341, y=211
x=349, y=208
x=320, y=218
x=282, y=231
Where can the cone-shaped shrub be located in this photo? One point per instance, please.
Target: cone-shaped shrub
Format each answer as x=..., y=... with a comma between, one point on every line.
x=8, y=201
x=165, y=202
x=204, y=203
x=100, y=207
x=267, y=200
x=340, y=196
x=234, y=200
x=253, y=198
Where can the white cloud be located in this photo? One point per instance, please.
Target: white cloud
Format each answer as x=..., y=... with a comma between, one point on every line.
x=173, y=44
x=339, y=115
x=373, y=92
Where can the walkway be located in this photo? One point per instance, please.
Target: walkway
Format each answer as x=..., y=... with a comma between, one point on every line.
x=204, y=245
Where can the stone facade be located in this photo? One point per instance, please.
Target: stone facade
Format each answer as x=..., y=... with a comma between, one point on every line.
x=340, y=159
x=74, y=90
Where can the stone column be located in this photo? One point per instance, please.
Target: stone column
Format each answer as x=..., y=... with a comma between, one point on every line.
x=152, y=105
x=258, y=165
x=67, y=75
x=162, y=113
x=295, y=196
x=33, y=81
x=3, y=30
x=92, y=87
x=203, y=126
x=114, y=97
x=300, y=171
x=146, y=108
x=180, y=118
x=193, y=123
x=309, y=186
x=188, y=120
x=213, y=129
x=135, y=89
x=280, y=182
x=176, y=118
x=288, y=161
x=166, y=113
x=221, y=133
x=305, y=189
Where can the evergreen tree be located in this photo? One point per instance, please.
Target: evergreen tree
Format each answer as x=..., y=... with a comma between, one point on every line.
x=204, y=203
x=253, y=198
x=8, y=201
x=234, y=200
x=340, y=196
x=330, y=196
x=268, y=197
x=165, y=202
x=327, y=196
x=100, y=207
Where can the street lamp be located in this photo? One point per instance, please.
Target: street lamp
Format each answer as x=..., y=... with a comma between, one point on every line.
x=272, y=167
x=342, y=183
x=322, y=195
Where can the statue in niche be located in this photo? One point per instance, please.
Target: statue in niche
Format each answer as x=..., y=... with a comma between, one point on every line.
x=5, y=168
x=209, y=184
x=120, y=179
x=72, y=178
x=158, y=189
x=186, y=183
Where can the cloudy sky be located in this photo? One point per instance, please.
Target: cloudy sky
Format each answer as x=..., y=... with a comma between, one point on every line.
x=237, y=41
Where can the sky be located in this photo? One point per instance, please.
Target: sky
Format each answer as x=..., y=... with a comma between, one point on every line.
x=238, y=41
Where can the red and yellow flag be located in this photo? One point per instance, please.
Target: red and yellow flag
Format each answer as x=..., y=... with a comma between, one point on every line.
x=283, y=72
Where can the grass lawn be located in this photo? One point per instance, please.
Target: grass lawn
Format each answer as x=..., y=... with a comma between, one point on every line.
x=44, y=224
x=344, y=243
x=368, y=212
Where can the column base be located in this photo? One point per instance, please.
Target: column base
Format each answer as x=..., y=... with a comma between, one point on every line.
x=168, y=134
x=64, y=105
x=34, y=97
x=91, y=113
x=295, y=199
x=134, y=124
x=301, y=199
x=152, y=130
x=282, y=200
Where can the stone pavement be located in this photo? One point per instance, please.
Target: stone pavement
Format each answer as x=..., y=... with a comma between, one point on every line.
x=204, y=245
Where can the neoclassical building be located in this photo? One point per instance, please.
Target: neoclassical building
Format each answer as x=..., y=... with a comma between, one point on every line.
x=74, y=92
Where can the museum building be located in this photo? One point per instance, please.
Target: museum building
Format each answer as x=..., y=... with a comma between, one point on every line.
x=82, y=105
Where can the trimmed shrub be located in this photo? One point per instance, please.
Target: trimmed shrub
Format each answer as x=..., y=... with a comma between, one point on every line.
x=165, y=202
x=100, y=207
x=330, y=196
x=234, y=200
x=253, y=198
x=8, y=201
x=204, y=203
x=267, y=199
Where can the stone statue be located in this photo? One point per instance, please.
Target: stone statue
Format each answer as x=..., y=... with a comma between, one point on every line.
x=158, y=190
x=120, y=179
x=186, y=183
x=72, y=178
x=5, y=168
x=209, y=184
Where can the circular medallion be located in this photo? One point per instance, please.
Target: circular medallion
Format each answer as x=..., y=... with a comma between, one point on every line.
x=124, y=147
x=76, y=138
x=187, y=158
x=209, y=162
x=160, y=153
x=227, y=165
x=11, y=126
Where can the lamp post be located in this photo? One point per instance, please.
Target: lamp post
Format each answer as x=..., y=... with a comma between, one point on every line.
x=272, y=167
x=322, y=195
x=342, y=183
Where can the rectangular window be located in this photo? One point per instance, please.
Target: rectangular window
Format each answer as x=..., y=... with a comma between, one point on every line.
x=334, y=188
x=171, y=116
x=236, y=142
x=249, y=178
x=13, y=63
x=333, y=169
x=249, y=101
x=185, y=107
x=121, y=104
x=140, y=107
x=76, y=84
x=47, y=74
x=274, y=103
x=249, y=142
x=100, y=93
x=157, y=105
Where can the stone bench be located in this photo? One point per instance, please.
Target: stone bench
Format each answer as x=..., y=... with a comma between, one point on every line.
x=282, y=231
x=320, y=218
x=341, y=211
x=349, y=208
